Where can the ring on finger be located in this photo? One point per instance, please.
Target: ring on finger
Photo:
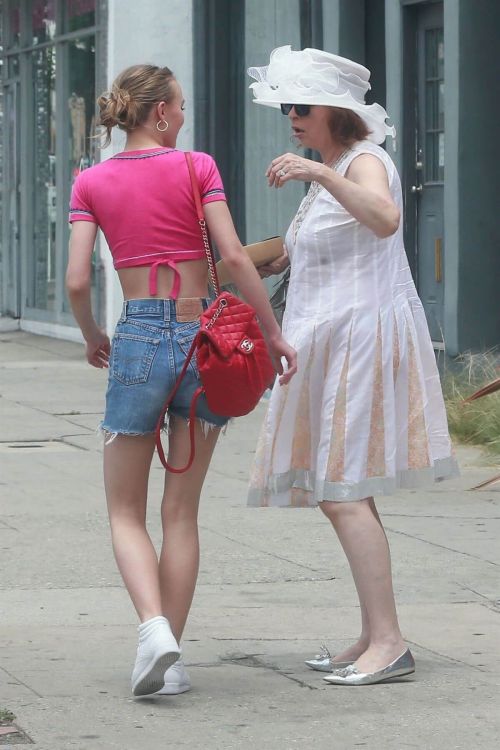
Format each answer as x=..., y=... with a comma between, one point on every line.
x=281, y=173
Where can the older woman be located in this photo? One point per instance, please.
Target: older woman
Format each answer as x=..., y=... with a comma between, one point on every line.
x=365, y=414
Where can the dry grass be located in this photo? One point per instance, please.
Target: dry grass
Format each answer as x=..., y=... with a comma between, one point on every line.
x=6, y=716
x=476, y=423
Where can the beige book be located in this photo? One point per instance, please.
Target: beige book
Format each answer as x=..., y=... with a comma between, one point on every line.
x=260, y=253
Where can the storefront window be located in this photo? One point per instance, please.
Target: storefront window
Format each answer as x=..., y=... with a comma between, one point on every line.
x=43, y=21
x=54, y=121
x=80, y=102
x=79, y=14
x=13, y=66
x=13, y=25
x=41, y=292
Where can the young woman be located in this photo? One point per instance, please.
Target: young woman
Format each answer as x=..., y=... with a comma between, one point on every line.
x=365, y=415
x=142, y=200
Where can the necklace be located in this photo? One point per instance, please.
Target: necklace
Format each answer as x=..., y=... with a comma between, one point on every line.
x=312, y=194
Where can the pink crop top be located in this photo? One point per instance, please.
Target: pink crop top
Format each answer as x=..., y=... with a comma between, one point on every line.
x=143, y=202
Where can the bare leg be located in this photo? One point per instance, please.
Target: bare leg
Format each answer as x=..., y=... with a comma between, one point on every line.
x=127, y=460
x=356, y=649
x=179, y=557
x=353, y=652
x=363, y=539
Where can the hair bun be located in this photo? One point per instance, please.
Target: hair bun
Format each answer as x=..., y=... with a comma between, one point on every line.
x=133, y=94
x=121, y=97
x=117, y=108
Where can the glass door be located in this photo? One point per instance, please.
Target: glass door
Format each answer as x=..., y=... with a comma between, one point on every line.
x=11, y=200
x=424, y=85
x=41, y=267
x=49, y=65
x=79, y=132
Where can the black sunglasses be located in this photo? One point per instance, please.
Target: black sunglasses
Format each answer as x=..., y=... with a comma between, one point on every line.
x=302, y=110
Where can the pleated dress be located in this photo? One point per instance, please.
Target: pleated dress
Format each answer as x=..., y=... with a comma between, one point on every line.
x=364, y=415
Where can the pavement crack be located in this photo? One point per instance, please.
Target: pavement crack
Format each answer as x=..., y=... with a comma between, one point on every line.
x=49, y=414
x=225, y=474
x=442, y=546
x=256, y=581
x=444, y=518
x=64, y=439
x=253, y=662
x=8, y=526
x=32, y=345
x=447, y=658
x=256, y=549
x=20, y=682
x=489, y=603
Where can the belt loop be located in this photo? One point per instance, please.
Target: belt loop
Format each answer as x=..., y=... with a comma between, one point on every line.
x=124, y=312
x=166, y=310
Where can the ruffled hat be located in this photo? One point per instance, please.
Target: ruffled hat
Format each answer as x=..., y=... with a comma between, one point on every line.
x=312, y=76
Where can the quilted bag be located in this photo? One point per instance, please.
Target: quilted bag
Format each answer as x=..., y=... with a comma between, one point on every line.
x=233, y=361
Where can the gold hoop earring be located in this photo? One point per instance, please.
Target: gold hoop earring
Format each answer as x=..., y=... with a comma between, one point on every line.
x=162, y=130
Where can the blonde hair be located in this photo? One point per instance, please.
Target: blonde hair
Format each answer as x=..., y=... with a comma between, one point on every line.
x=133, y=93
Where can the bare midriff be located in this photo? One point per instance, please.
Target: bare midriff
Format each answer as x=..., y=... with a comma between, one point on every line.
x=135, y=281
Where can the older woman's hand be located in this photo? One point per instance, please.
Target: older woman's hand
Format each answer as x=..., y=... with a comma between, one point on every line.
x=276, y=267
x=292, y=167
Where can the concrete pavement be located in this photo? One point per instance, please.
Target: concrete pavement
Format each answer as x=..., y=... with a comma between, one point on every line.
x=273, y=585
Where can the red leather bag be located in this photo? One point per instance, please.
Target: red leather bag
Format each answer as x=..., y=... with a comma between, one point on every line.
x=232, y=356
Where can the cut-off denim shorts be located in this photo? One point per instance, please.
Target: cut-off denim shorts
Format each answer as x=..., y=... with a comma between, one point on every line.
x=148, y=351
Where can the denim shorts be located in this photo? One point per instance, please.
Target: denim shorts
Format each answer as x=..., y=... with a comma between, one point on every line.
x=148, y=351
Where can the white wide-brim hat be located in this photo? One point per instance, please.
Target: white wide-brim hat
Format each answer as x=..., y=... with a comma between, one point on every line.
x=312, y=76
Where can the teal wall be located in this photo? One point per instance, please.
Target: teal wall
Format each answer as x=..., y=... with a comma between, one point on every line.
x=472, y=182
x=478, y=303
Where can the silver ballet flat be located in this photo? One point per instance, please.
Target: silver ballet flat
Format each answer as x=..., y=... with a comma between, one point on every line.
x=404, y=664
x=322, y=662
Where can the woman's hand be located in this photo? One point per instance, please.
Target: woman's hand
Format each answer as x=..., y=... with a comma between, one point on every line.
x=292, y=167
x=276, y=267
x=279, y=348
x=98, y=349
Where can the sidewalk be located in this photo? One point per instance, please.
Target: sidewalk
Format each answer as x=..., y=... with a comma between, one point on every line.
x=273, y=585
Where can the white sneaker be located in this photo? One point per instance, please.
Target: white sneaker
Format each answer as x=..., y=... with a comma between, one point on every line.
x=176, y=680
x=156, y=652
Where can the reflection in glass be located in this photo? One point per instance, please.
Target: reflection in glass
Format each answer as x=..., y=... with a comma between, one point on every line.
x=434, y=105
x=43, y=20
x=13, y=66
x=41, y=293
x=431, y=53
x=80, y=102
x=441, y=106
x=79, y=14
x=11, y=194
x=14, y=24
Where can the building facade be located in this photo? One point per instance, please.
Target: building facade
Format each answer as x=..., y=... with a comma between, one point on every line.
x=433, y=68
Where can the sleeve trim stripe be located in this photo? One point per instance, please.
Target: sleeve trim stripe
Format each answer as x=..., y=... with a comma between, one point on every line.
x=215, y=191
x=80, y=211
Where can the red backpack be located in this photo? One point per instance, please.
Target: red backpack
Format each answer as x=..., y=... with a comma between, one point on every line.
x=233, y=360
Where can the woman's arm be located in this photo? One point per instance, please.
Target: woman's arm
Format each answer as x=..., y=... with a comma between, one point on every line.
x=364, y=192
x=246, y=278
x=78, y=281
x=276, y=267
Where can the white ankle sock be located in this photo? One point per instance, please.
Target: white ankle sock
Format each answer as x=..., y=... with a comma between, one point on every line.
x=149, y=626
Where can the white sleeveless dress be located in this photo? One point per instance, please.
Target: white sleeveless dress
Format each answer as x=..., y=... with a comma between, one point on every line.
x=364, y=415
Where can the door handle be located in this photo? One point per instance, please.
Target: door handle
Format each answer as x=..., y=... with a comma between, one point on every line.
x=438, y=259
x=416, y=188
